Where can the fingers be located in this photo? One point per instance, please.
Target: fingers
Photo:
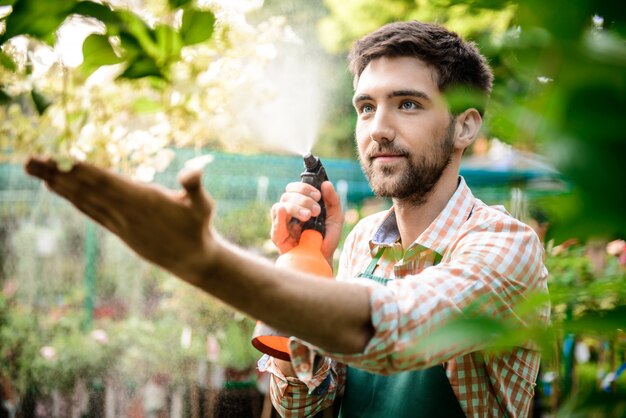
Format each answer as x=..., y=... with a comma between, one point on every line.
x=331, y=198
x=334, y=220
x=300, y=200
x=43, y=168
x=83, y=186
x=303, y=189
x=279, y=224
x=284, y=234
x=191, y=180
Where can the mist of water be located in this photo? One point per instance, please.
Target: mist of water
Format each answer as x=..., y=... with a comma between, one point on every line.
x=289, y=116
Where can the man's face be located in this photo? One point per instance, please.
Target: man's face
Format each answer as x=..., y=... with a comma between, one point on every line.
x=404, y=132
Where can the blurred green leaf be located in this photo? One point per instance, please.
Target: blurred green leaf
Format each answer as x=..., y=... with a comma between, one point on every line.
x=4, y=97
x=134, y=27
x=606, y=47
x=607, y=105
x=465, y=331
x=175, y=4
x=144, y=105
x=600, y=322
x=461, y=98
x=197, y=26
x=561, y=18
x=169, y=43
x=142, y=67
x=98, y=11
x=97, y=51
x=7, y=62
x=483, y=4
x=37, y=18
x=594, y=404
x=130, y=45
x=7, y=2
x=41, y=102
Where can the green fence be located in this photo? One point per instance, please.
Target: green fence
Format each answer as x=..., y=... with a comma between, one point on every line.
x=233, y=178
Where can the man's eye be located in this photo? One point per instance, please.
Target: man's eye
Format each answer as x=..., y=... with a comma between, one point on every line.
x=409, y=105
x=367, y=108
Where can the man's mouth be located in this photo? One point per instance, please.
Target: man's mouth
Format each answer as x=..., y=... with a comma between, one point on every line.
x=386, y=157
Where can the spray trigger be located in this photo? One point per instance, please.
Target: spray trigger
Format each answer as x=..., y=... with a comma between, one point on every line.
x=314, y=174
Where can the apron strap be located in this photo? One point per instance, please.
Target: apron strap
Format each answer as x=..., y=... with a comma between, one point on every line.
x=369, y=271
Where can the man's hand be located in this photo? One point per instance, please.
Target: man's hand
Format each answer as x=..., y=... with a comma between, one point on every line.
x=169, y=228
x=300, y=201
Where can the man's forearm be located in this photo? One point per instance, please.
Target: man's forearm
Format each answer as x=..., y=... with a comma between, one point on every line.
x=332, y=315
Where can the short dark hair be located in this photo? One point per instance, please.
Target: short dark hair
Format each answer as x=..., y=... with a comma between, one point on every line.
x=457, y=63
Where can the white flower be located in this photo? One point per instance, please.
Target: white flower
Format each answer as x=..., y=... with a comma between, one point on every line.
x=48, y=352
x=144, y=173
x=162, y=159
x=100, y=336
x=616, y=247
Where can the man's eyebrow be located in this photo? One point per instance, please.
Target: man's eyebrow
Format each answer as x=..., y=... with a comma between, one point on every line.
x=396, y=93
x=361, y=97
x=409, y=93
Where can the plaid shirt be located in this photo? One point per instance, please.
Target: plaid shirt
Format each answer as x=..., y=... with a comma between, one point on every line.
x=487, y=257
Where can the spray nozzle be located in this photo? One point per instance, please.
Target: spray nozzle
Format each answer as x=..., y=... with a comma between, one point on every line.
x=311, y=162
x=315, y=175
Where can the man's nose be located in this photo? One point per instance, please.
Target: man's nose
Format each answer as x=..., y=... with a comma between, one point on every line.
x=381, y=129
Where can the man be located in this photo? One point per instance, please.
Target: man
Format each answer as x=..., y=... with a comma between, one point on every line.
x=444, y=250
x=438, y=254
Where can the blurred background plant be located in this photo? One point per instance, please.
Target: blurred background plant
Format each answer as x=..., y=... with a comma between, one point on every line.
x=151, y=75
x=156, y=75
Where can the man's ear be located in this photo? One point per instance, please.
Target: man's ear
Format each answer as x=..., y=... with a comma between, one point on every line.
x=467, y=126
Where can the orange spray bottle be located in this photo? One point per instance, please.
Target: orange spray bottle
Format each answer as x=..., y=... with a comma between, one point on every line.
x=306, y=257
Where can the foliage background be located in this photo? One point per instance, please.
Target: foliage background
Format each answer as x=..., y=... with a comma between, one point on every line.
x=560, y=91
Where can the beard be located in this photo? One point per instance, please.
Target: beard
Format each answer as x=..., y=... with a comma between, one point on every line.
x=413, y=181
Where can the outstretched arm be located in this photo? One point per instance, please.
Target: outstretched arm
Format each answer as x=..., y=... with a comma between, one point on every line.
x=172, y=229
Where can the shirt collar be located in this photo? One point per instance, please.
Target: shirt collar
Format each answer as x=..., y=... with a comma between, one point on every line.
x=440, y=232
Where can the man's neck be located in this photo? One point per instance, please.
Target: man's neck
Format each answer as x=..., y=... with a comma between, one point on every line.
x=413, y=219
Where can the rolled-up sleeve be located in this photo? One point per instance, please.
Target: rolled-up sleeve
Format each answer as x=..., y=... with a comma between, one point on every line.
x=313, y=390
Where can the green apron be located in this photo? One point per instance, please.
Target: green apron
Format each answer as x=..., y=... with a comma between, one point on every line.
x=415, y=394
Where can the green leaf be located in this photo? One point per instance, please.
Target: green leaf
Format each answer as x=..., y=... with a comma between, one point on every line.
x=133, y=26
x=130, y=45
x=197, y=26
x=98, y=11
x=37, y=18
x=7, y=2
x=41, y=102
x=462, y=98
x=589, y=399
x=169, y=43
x=142, y=67
x=483, y=4
x=598, y=322
x=7, y=62
x=97, y=51
x=4, y=98
x=175, y=4
x=143, y=105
